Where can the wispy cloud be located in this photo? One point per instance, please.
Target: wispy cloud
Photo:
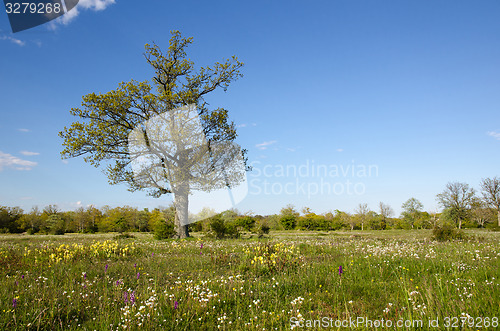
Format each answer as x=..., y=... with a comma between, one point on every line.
x=13, y=40
x=265, y=144
x=10, y=161
x=241, y=125
x=24, y=130
x=291, y=149
x=28, y=153
x=494, y=134
x=95, y=5
x=65, y=161
x=340, y=150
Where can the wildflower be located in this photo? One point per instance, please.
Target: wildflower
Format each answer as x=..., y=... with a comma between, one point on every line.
x=340, y=271
x=125, y=298
x=132, y=297
x=135, y=265
x=176, y=305
x=85, y=276
x=14, y=303
x=138, y=275
x=105, y=268
x=22, y=276
x=152, y=254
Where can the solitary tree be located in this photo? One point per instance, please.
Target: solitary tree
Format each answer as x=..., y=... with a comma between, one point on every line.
x=411, y=211
x=458, y=198
x=143, y=112
x=362, y=212
x=491, y=193
x=386, y=211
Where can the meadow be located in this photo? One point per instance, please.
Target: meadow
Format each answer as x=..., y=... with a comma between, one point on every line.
x=393, y=279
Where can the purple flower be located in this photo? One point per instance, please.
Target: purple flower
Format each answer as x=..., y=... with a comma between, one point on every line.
x=105, y=268
x=125, y=297
x=340, y=271
x=201, y=246
x=22, y=276
x=85, y=276
x=138, y=275
x=152, y=254
x=135, y=265
x=117, y=282
x=176, y=305
x=14, y=303
x=132, y=297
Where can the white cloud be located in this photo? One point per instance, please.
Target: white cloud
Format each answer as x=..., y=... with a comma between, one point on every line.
x=24, y=130
x=28, y=153
x=95, y=5
x=241, y=125
x=14, y=40
x=291, y=149
x=494, y=134
x=265, y=144
x=340, y=150
x=65, y=161
x=10, y=161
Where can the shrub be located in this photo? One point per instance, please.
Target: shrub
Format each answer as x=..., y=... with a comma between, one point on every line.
x=163, y=230
x=221, y=229
x=246, y=222
x=288, y=222
x=446, y=233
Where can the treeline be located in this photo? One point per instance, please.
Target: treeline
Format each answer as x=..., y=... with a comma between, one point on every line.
x=89, y=219
x=462, y=207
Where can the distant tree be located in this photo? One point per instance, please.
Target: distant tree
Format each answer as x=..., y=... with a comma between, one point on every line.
x=385, y=211
x=56, y=224
x=32, y=221
x=458, y=198
x=491, y=194
x=482, y=213
x=362, y=214
x=289, y=210
x=412, y=209
x=9, y=219
x=288, y=221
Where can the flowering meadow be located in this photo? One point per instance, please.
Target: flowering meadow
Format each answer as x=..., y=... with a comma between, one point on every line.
x=279, y=282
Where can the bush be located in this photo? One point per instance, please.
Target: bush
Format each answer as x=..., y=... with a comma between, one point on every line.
x=288, y=222
x=446, y=233
x=246, y=222
x=163, y=230
x=221, y=229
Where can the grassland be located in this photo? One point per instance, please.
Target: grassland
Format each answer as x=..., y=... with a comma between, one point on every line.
x=287, y=280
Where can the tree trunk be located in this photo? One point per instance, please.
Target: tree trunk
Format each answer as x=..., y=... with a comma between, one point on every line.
x=460, y=224
x=498, y=217
x=181, y=196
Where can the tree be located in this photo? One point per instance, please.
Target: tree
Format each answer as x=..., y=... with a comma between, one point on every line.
x=491, y=194
x=412, y=209
x=458, y=198
x=136, y=111
x=385, y=211
x=362, y=213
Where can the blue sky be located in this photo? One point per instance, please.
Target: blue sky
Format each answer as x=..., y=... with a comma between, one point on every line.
x=408, y=88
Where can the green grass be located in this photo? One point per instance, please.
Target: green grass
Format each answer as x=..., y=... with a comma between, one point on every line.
x=61, y=282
